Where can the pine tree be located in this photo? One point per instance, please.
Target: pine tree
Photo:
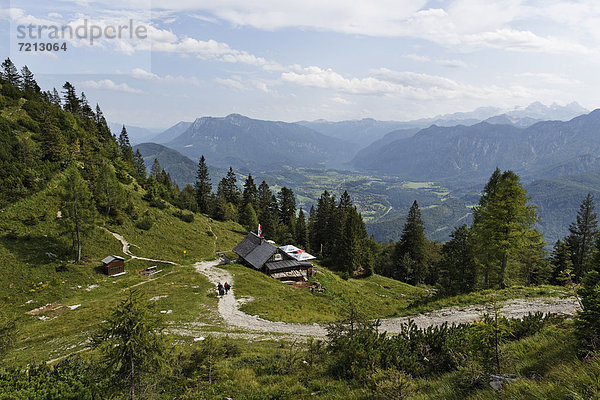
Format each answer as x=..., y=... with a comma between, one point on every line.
x=108, y=193
x=561, y=262
x=85, y=109
x=155, y=169
x=10, y=73
x=414, y=244
x=323, y=231
x=583, y=237
x=355, y=253
x=139, y=166
x=132, y=344
x=55, y=98
x=72, y=103
x=228, y=188
x=203, y=187
x=503, y=227
x=250, y=194
x=587, y=323
x=78, y=211
x=301, y=231
x=102, y=126
x=248, y=218
x=126, y=149
x=287, y=206
x=458, y=270
x=29, y=83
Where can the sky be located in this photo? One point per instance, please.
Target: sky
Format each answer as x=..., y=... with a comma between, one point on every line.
x=312, y=59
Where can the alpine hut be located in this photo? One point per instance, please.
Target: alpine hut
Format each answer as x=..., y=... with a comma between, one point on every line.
x=114, y=265
x=255, y=252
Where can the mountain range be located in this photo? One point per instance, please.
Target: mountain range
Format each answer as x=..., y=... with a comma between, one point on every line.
x=240, y=141
x=473, y=152
x=368, y=130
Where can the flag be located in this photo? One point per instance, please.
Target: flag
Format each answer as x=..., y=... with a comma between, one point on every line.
x=259, y=230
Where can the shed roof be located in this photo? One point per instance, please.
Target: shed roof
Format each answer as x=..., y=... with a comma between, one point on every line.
x=255, y=251
x=111, y=258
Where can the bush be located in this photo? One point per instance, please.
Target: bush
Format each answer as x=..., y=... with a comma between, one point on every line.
x=158, y=203
x=144, y=223
x=185, y=217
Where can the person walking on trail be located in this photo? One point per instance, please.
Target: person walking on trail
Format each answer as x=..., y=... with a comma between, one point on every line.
x=220, y=289
x=227, y=286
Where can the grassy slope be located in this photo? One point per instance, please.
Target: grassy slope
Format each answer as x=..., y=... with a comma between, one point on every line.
x=279, y=302
x=29, y=279
x=546, y=364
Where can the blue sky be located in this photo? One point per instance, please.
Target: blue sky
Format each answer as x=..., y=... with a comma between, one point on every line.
x=292, y=60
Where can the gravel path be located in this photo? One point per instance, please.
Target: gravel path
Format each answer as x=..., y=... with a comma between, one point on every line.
x=229, y=306
x=126, y=250
x=230, y=312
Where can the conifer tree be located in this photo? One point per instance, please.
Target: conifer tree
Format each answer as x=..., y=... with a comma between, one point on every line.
x=264, y=212
x=248, y=218
x=29, y=83
x=10, y=73
x=203, y=187
x=561, y=262
x=587, y=323
x=414, y=244
x=132, y=344
x=228, y=188
x=583, y=236
x=126, y=149
x=108, y=193
x=85, y=109
x=458, y=270
x=78, y=211
x=503, y=227
x=287, y=206
x=71, y=103
x=101, y=125
x=55, y=98
x=301, y=230
x=250, y=194
x=139, y=166
x=155, y=170
x=324, y=226
x=187, y=198
x=354, y=253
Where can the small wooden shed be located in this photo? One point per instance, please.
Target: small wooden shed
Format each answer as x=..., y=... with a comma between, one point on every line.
x=114, y=265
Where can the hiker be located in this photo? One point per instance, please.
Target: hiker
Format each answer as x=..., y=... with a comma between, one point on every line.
x=220, y=289
x=227, y=287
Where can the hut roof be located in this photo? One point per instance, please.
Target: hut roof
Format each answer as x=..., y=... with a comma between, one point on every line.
x=111, y=258
x=254, y=250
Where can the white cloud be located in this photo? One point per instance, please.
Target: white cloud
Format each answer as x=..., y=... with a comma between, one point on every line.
x=142, y=74
x=239, y=83
x=448, y=63
x=231, y=83
x=402, y=84
x=107, y=84
x=341, y=100
x=548, y=78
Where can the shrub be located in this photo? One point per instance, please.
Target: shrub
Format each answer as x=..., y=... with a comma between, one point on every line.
x=144, y=223
x=185, y=217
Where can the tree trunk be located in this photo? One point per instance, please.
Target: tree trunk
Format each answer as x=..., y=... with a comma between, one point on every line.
x=503, y=270
x=132, y=377
x=78, y=236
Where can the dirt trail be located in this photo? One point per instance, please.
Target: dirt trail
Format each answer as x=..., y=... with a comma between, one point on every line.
x=229, y=310
x=126, y=250
x=228, y=307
